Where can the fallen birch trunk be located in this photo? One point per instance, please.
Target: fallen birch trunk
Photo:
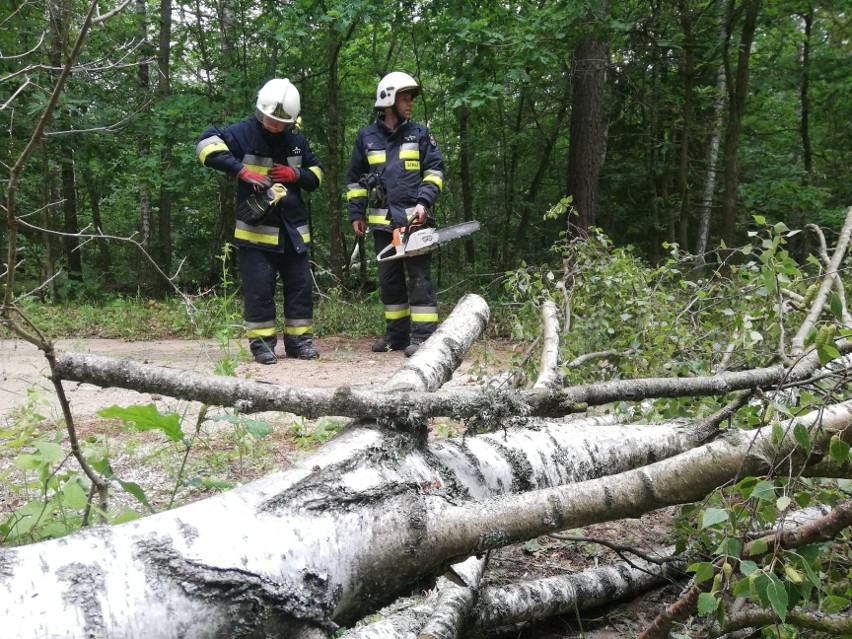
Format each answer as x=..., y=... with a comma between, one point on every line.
x=534, y=600
x=345, y=532
x=404, y=405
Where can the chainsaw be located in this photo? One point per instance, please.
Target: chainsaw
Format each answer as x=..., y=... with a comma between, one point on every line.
x=415, y=240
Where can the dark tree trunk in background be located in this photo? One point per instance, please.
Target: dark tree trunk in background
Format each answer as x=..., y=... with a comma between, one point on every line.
x=588, y=128
x=652, y=160
x=737, y=92
x=465, y=155
x=71, y=228
x=104, y=257
x=164, y=228
x=144, y=141
x=335, y=236
x=688, y=75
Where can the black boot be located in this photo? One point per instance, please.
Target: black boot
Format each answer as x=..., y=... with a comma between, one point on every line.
x=263, y=351
x=384, y=345
x=301, y=347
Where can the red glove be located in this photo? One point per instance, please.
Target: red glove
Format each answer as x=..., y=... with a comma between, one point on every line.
x=257, y=180
x=283, y=173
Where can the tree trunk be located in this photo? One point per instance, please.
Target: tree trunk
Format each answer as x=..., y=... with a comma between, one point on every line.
x=335, y=235
x=146, y=216
x=706, y=207
x=164, y=219
x=588, y=131
x=528, y=200
x=71, y=228
x=688, y=74
x=467, y=187
x=243, y=563
x=103, y=261
x=737, y=94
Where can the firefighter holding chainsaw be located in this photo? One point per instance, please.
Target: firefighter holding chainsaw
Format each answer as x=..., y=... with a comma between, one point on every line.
x=395, y=175
x=273, y=164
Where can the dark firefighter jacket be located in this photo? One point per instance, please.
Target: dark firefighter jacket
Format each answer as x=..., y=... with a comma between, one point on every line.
x=247, y=144
x=408, y=165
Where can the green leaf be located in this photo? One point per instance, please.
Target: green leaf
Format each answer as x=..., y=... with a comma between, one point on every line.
x=747, y=567
x=707, y=603
x=127, y=514
x=783, y=502
x=136, y=490
x=256, y=427
x=27, y=461
x=146, y=418
x=764, y=490
x=73, y=495
x=741, y=588
x=758, y=547
x=803, y=499
x=801, y=435
x=703, y=571
x=836, y=306
x=838, y=449
x=713, y=516
x=50, y=453
x=827, y=353
x=776, y=593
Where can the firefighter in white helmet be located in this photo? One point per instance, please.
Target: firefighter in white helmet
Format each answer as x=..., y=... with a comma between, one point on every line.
x=395, y=175
x=263, y=151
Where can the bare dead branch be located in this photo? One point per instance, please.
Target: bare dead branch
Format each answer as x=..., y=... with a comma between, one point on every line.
x=798, y=343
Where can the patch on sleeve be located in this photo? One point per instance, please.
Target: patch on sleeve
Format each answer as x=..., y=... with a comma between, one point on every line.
x=432, y=141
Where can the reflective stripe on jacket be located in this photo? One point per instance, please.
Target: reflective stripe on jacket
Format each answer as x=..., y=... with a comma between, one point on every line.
x=246, y=144
x=410, y=166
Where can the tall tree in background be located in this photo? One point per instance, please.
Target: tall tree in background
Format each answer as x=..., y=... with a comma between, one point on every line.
x=737, y=83
x=588, y=126
x=164, y=90
x=146, y=213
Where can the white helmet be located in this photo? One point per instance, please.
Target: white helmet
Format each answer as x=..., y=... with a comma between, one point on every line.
x=278, y=100
x=392, y=84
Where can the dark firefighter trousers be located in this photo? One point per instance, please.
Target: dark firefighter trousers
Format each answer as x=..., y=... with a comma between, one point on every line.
x=411, y=311
x=259, y=271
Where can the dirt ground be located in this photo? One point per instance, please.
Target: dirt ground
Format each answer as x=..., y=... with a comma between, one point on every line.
x=24, y=386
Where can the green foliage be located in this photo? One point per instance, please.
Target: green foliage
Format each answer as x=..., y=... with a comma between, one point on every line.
x=309, y=436
x=334, y=314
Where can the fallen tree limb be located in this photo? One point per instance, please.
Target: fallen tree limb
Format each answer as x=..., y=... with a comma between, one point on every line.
x=838, y=625
x=535, y=600
x=821, y=529
x=548, y=375
x=408, y=406
x=455, y=601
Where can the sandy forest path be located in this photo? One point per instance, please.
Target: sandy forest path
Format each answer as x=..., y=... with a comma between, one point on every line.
x=343, y=362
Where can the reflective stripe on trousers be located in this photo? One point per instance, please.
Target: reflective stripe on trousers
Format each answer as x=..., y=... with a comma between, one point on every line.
x=411, y=307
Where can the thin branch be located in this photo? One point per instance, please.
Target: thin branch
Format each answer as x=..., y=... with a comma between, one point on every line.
x=826, y=260
x=798, y=343
x=15, y=94
x=106, y=16
x=822, y=529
